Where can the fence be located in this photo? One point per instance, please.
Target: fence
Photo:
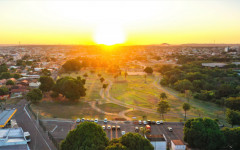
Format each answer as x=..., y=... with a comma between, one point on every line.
x=54, y=141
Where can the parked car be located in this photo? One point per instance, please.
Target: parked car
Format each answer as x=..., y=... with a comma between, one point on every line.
x=113, y=127
x=170, y=129
x=109, y=127
x=144, y=122
x=149, y=122
x=92, y=120
x=153, y=122
x=140, y=122
x=161, y=121
x=78, y=120
x=104, y=127
x=123, y=132
x=118, y=128
x=148, y=127
x=157, y=122
x=87, y=120
x=96, y=120
x=83, y=119
x=105, y=120
x=136, y=129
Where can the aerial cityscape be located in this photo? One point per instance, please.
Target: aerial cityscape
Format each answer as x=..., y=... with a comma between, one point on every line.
x=119, y=75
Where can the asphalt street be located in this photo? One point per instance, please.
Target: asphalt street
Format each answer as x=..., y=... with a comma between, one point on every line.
x=39, y=139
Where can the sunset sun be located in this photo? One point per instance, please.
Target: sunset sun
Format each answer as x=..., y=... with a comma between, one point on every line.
x=109, y=35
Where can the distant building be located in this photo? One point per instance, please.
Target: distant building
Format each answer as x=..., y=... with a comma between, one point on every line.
x=214, y=64
x=34, y=84
x=13, y=139
x=159, y=142
x=177, y=145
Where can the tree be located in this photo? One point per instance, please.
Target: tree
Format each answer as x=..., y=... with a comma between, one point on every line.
x=203, y=133
x=232, y=136
x=85, y=75
x=163, y=96
x=233, y=103
x=105, y=86
x=188, y=94
x=102, y=79
x=47, y=83
x=148, y=70
x=5, y=75
x=87, y=136
x=115, y=144
x=34, y=96
x=16, y=76
x=72, y=65
x=3, y=68
x=70, y=87
x=133, y=141
x=186, y=107
x=233, y=117
x=182, y=85
x=45, y=72
x=10, y=82
x=163, y=107
x=3, y=90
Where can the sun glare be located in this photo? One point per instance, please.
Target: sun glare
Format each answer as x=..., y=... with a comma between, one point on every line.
x=109, y=35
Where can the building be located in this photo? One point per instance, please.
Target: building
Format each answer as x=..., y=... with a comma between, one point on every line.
x=13, y=139
x=5, y=117
x=214, y=64
x=177, y=145
x=34, y=84
x=159, y=142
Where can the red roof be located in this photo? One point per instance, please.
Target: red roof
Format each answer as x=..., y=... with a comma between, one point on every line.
x=177, y=142
x=18, y=90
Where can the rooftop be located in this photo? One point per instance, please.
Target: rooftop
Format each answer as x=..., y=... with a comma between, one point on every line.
x=159, y=137
x=177, y=142
x=6, y=115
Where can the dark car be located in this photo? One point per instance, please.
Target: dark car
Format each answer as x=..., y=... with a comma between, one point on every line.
x=118, y=128
x=113, y=127
x=149, y=122
x=153, y=122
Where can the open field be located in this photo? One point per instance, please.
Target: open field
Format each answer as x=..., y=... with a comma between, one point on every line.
x=111, y=108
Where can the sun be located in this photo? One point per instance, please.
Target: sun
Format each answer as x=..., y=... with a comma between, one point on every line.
x=109, y=34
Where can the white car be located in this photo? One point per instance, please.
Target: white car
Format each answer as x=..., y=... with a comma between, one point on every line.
x=123, y=132
x=170, y=129
x=105, y=120
x=108, y=127
x=140, y=122
x=144, y=122
x=96, y=120
x=103, y=127
x=78, y=120
x=27, y=136
x=161, y=121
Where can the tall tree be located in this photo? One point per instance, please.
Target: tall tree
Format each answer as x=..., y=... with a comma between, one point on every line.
x=186, y=107
x=47, y=83
x=163, y=96
x=203, y=133
x=87, y=136
x=163, y=107
x=34, y=96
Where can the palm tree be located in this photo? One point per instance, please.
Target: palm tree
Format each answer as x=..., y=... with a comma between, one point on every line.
x=163, y=96
x=186, y=107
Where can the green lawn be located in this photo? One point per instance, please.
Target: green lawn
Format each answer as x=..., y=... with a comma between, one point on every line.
x=112, y=108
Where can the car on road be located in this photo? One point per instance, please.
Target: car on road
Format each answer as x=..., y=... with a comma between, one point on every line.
x=105, y=120
x=104, y=127
x=96, y=120
x=78, y=120
x=118, y=128
x=140, y=122
x=136, y=129
x=109, y=127
x=123, y=132
x=113, y=127
x=170, y=129
x=153, y=122
x=144, y=122
x=27, y=136
x=83, y=119
x=149, y=122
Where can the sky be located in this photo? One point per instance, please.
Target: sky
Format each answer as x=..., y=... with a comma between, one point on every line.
x=129, y=22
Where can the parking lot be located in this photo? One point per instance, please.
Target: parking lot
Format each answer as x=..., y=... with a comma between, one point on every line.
x=60, y=129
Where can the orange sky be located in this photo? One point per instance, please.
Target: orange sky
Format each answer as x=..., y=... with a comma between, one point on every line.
x=131, y=22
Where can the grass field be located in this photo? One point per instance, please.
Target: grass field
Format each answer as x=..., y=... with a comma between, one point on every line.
x=112, y=108
x=67, y=110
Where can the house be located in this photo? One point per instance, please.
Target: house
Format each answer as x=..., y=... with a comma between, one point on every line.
x=16, y=93
x=34, y=84
x=177, y=145
x=3, y=82
x=159, y=142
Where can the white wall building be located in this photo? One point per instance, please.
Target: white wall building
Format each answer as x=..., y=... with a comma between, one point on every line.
x=159, y=142
x=177, y=145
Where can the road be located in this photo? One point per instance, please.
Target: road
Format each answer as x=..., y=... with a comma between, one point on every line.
x=39, y=139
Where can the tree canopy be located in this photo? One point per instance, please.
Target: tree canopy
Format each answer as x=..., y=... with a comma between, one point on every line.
x=233, y=117
x=3, y=90
x=203, y=133
x=163, y=107
x=232, y=136
x=45, y=72
x=87, y=136
x=3, y=68
x=186, y=107
x=70, y=87
x=34, y=95
x=233, y=103
x=72, y=65
x=10, y=82
x=148, y=70
x=47, y=83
